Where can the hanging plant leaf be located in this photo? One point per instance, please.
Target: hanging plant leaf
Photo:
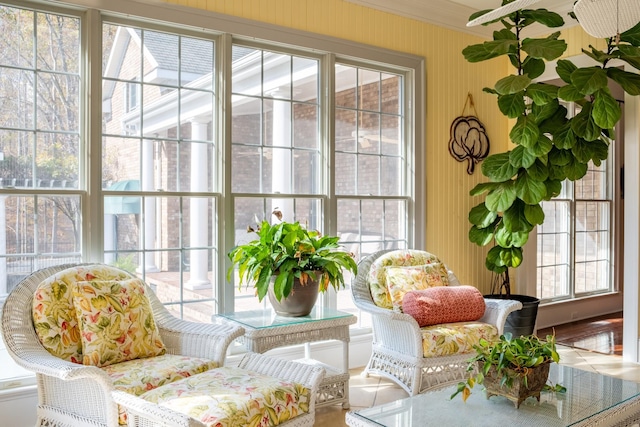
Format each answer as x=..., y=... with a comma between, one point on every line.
x=501, y=198
x=606, y=110
x=589, y=80
x=512, y=105
x=630, y=82
x=481, y=217
x=497, y=167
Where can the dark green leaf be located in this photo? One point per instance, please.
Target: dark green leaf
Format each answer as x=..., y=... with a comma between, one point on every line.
x=481, y=216
x=481, y=236
x=542, y=93
x=534, y=213
x=515, y=219
x=570, y=93
x=545, y=17
x=538, y=171
x=629, y=54
x=494, y=260
x=497, y=167
x=575, y=170
x=504, y=34
x=513, y=105
x=600, y=150
x=542, y=146
x=479, y=13
x=533, y=67
x=582, y=151
x=512, y=84
x=554, y=187
x=530, y=190
x=557, y=173
x=481, y=188
x=525, y=132
x=521, y=157
x=501, y=198
x=511, y=257
x=598, y=55
x=632, y=35
x=488, y=50
x=589, y=79
x=565, y=138
x=559, y=157
x=489, y=90
x=565, y=68
x=630, y=82
x=548, y=49
x=584, y=126
x=606, y=110
x=553, y=123
x=544, y=112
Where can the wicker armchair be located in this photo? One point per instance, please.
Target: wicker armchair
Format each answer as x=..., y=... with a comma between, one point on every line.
x=398, y=352
x=72, y=394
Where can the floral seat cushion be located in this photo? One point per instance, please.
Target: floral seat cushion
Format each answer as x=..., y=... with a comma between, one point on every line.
x=54, y=315
x=448, y=339
x=141, y=375
x=377, y=273
x=230, y=396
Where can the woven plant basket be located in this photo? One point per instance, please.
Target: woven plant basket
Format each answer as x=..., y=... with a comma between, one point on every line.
x=518, y=392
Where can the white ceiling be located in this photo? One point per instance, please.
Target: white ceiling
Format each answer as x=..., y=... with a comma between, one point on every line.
x=454, y=14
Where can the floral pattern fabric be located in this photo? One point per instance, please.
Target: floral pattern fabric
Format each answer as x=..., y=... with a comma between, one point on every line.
x=232, y=397
x=141, y=375
x=116, y=321
x=54, y=315
x=378, y=271
x=403, y=279
x=455, y=338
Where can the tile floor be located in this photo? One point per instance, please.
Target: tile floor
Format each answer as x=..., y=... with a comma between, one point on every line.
x=367, y=392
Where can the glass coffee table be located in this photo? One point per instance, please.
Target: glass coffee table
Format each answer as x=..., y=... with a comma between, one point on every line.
x=265, y=330
x=591, y=399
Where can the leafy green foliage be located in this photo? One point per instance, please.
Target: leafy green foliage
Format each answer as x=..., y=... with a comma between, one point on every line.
x=512, y=358
x=550, y=147
x=290, y=251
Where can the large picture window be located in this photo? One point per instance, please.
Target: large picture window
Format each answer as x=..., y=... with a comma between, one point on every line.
x=190, y=136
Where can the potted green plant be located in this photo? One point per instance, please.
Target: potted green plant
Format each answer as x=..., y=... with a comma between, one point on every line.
x=549, y=147
x=515, y=368
x=291, y=264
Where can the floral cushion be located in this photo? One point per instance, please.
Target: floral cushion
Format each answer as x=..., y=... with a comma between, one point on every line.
x=116, y=321
x=141, y=375
x=445, y=304
x=54, y=315
x=403, y=279
x=230, y=396
x=377, y=272
x=455, y=338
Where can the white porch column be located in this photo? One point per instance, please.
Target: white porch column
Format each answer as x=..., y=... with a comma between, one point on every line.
x=149, y=217
x=199, y=212
x=281, y=171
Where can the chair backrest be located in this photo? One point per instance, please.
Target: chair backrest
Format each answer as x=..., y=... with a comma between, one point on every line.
x=370, y=286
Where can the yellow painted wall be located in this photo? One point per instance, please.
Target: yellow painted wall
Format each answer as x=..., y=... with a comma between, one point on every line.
x=449, y=78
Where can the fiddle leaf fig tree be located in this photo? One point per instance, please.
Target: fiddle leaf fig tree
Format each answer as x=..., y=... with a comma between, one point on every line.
x=549, y=147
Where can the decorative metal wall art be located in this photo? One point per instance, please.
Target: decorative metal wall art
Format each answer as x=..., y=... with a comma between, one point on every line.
x=469, y=140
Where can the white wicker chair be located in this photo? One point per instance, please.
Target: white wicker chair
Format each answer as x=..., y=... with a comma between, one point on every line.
x=397, y=351
x=71, y=394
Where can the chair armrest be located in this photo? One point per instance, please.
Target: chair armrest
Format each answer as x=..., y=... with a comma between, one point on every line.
x=497, y=311
x=206, y=340
x=141, y=412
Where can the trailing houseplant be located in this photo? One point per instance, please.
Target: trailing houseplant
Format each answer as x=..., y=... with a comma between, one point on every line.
x=549, y=147
x=285, y=253
x=512, y=367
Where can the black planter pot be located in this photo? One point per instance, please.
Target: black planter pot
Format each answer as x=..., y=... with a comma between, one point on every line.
x=521, y=322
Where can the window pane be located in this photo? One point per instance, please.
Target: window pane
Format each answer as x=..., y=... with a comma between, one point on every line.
x=553, y=251
x=592, y=246
x=16, y=45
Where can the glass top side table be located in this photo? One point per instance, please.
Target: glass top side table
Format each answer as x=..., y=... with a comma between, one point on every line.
x=265, y=330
